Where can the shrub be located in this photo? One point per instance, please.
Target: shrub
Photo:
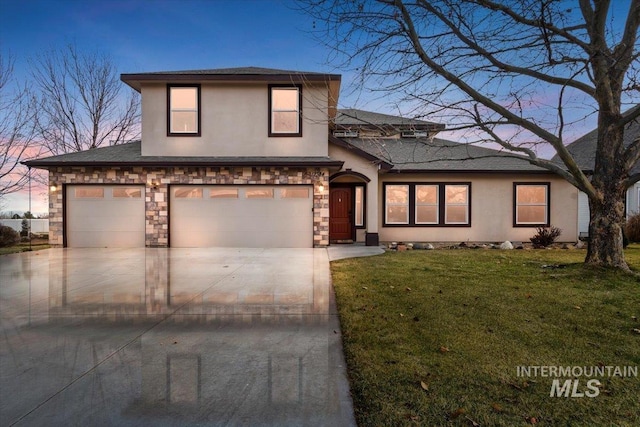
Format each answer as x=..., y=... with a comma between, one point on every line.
x=545, y=236
x=632, y=228
x=8, y=236
x=25, y=228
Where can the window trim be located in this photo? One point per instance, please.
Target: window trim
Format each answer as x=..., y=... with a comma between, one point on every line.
x=446, y=205
x=270, y=109
x=441, y=204
x=398, y=184
x=363, y=222
x=437, y=204
x=198, y=112
x=546, y=184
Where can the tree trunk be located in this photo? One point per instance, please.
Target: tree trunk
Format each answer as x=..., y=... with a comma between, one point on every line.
x=605, y=247
x=607, y=206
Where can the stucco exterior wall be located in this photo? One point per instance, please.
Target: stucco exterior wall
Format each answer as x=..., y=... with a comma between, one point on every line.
x=491, y=209
x=234, y=122
x=366, y=167
x=157, y=180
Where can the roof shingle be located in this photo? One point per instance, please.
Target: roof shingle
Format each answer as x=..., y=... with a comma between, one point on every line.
x=439, y=155
x=583, y=149
x=354, y=117
x=129, y=154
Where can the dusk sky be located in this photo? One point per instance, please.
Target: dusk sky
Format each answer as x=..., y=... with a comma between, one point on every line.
x=162, y=35
x=166, y=35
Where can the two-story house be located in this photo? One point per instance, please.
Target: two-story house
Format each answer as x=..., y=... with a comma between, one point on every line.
x=254, y=157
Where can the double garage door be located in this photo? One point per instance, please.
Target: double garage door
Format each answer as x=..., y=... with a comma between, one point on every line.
x=199, y=216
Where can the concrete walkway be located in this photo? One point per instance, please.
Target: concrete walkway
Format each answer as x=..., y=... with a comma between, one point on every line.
x=352, y=251
x=167, y=337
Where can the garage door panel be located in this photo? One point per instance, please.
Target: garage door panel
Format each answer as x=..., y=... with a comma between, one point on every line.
x=241, y=221
x=104, y=222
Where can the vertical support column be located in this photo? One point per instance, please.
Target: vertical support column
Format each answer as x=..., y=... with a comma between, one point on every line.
x=321, y=209
x=56, y=210
x=156, y=213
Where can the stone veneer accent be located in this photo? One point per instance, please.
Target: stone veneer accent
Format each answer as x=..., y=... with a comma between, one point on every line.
x=157, y=179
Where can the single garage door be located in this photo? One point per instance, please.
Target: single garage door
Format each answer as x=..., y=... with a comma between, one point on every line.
x=100, y=216
x=253, y=216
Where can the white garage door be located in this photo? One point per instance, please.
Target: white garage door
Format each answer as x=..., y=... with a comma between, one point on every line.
x=99, y=216
x=253, y=216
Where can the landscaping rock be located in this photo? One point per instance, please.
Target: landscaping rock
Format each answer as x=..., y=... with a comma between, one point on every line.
x=518, y=245
x=393, y=245
x=418, y=246
x=409, y=246
x=429, y=247
x=567, y=246
x=579, y=244
x=506, y=245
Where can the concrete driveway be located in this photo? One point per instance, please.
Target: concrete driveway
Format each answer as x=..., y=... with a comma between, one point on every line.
x=170, y=337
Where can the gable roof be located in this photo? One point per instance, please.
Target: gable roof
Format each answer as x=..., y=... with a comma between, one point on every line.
x=352, y=117
x=129, y=155
x=583, y=149
x=228, y=74
x=438, y=155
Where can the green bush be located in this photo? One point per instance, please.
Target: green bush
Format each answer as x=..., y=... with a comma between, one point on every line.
x=632, y=228
x=8, y=236
x=25, y=228
x=545, y=236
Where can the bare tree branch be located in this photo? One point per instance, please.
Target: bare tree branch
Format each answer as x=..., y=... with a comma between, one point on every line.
x=81, y=105
x=17, y=112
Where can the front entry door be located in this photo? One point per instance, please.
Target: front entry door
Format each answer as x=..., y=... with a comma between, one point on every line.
x=340, y=225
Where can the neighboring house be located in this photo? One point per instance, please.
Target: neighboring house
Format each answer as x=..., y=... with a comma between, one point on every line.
x=259, y=157
x=583, y=151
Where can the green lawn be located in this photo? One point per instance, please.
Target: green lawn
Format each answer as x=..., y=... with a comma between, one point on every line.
x=435, y=337
x=22, y=247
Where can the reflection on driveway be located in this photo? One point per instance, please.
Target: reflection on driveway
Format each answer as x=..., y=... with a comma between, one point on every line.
x=170, y=337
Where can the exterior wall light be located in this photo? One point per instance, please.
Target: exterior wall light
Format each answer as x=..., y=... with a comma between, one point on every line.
x=320, y=186
x=53, y=187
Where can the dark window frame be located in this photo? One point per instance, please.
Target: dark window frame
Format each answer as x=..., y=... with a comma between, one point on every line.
x=270, y=107
x=198, y=113
x=546, y=184
x=441, y=204
x=364, y=206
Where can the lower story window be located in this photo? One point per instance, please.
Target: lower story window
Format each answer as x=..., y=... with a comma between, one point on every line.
x=359, y=205
x=456, y=204
x=531, y=204
x=427, y=204
x=397, y=204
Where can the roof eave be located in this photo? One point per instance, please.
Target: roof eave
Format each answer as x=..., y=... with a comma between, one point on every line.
x=393, y=127
x=135, y=80
x=344, y=144
x=466, y=171
x=44, y=164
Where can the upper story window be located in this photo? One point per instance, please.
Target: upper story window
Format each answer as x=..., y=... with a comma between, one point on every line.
x=531, y=204
x=285, y=110
x=183, y=110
